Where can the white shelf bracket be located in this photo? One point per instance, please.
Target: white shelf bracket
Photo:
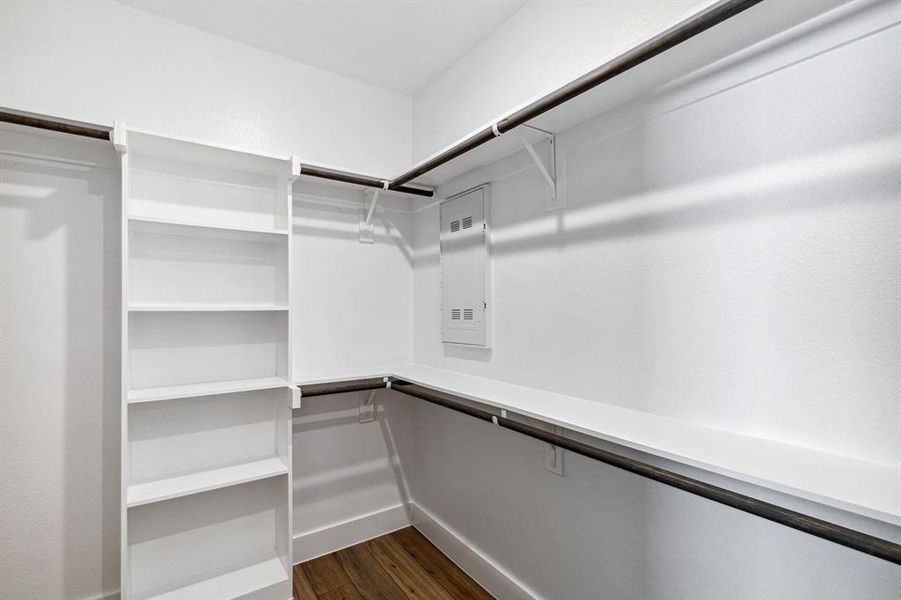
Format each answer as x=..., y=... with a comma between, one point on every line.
x=548, y=171
x=366, y=233
x=367, y=407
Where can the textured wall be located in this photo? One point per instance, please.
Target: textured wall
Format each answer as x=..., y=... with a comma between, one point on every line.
x=729, y=256
x=100, y=60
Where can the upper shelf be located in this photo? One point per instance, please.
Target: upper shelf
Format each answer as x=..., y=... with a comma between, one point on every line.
x=850, y=484
x=729, y=40
x=186, y=150
x=182, y=182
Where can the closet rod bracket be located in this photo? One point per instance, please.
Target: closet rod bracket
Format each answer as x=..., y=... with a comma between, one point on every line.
x=366, y=215
x=548, y=171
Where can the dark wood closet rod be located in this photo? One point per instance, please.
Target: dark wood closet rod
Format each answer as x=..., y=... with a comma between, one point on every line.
x=40, y=122
x=856, y=540
x=670, y=38
x=99, y=132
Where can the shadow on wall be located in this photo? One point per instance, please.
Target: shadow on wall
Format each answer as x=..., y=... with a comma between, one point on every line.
x=598, y=213
x=613, y=191
x=728, y=143
x=327, y=212
x=345, y=469
x=61, y=367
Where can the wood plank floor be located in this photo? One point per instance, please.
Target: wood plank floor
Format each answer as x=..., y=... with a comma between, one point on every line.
x=398, y=566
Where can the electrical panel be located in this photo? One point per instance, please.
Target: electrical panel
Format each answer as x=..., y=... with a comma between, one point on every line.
x=464, y=268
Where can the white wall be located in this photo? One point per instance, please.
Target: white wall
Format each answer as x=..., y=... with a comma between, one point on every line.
x=351, y=479
x=352, y=305
x=601, y=533
x=542, y=46
x=59, y=367
x=352, y=300
x=729, y=256
x=99, y=60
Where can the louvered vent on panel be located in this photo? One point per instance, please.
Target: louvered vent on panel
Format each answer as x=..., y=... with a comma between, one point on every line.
x=464, y=269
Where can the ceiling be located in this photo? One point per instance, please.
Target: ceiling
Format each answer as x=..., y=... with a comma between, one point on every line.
x=399, y=45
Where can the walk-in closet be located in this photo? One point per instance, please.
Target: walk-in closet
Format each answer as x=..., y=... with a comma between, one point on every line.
x=457, y=299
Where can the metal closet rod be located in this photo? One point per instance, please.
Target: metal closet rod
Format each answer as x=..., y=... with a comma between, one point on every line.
x=862, y=542
x=672, y=37
x=365, y=180
x=84, y=130
x=103, y=133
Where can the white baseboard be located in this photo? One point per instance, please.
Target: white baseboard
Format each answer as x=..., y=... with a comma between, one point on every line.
x=312, y=544
x=486, y=572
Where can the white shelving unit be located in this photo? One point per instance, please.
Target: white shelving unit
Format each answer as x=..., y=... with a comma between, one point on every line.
x=206, y=360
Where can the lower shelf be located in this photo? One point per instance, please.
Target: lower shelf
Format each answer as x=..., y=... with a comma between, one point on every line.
x=204, y=481
x=231, y=542
x=269, y=575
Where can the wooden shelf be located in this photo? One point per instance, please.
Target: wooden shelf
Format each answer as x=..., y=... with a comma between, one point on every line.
x=206, y=308
x=234, y=584
x=204, y=389
x=204, y=481
x=202, y=225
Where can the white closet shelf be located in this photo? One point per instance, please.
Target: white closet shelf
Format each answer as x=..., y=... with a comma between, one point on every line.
x=206, y=307
x=203, y=225
x=839, y=481
x=736, y=38
x=194, y=390
x=234, y=584
x=192, y=151
x=204, y=481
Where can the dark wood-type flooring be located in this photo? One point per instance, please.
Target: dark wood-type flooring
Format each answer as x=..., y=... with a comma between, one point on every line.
x=399, y=565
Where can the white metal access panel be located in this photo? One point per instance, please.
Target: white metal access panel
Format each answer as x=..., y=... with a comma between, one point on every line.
x=464, y=268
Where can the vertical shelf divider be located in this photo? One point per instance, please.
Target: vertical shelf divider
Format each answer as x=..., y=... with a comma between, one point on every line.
x=120, y=144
